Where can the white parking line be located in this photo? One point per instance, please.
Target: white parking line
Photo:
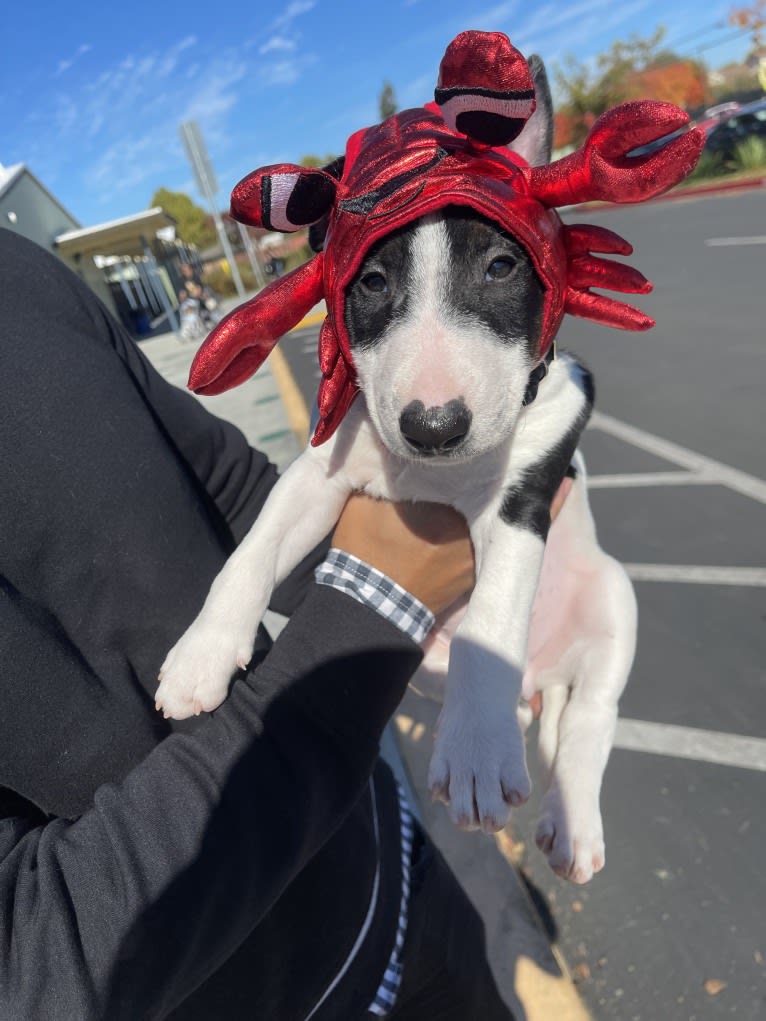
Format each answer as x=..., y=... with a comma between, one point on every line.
x=692, y=743
x=697, y=574
x=733, y=478
x=758, y=239
x=631, y=480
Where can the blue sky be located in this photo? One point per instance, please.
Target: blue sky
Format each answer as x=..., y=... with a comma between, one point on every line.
x=91, y=96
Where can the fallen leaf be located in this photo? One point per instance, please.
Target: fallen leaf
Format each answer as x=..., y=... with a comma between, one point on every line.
x=713, y=986
x=581, y=972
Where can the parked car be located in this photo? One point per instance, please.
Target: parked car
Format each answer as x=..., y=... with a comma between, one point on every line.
x=715, y=114
x=749, y=121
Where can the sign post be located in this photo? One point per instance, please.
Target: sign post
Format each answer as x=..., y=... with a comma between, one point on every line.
x=204, y=175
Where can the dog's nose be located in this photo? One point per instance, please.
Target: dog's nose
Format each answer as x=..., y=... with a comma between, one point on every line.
x=437, y=430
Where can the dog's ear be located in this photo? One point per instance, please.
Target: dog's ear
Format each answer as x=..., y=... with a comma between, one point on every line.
x=535, y=143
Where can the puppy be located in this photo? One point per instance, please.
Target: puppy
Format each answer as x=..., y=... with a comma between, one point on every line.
x=444, y=318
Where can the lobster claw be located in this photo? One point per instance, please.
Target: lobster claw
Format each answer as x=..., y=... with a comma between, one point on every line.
x=585, y=270
x=603, y=169
x=241, y=342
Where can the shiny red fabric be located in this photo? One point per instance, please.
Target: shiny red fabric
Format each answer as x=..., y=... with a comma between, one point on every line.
x=413, y=164
x=243, y=340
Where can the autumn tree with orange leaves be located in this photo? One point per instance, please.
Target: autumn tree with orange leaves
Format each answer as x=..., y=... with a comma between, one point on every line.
x=637, y=68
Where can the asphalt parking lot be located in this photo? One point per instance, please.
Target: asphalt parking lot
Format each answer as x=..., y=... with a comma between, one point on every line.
x=673, y=928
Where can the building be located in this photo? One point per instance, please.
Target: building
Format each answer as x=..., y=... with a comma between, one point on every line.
x=132, y=263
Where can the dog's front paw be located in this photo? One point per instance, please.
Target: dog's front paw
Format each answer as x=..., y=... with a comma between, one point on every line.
x=196, y=673
x=572, y=838
x=478, y=769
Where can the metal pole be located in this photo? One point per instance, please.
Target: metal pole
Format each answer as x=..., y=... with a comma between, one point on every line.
x=247, y=241
x=200, y=166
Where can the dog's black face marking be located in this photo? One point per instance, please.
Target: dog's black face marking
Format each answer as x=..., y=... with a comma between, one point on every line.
x=494, y=280
x=489, y=278
x=378, y=293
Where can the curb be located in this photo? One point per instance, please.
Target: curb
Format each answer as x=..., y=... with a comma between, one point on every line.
x=712, y=189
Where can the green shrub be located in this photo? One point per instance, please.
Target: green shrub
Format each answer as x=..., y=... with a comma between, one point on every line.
x=710, y=165
x=220, y=280
x=751, y=154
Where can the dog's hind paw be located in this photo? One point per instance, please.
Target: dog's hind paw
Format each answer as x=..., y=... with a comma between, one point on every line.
x=574, y=848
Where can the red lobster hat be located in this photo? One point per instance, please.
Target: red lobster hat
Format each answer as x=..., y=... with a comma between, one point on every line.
x=452, y=152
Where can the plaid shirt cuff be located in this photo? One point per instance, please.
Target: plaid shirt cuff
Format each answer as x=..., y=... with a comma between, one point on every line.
x=367, y=585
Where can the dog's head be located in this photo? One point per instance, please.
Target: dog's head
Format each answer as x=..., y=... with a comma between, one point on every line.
x=444, y=319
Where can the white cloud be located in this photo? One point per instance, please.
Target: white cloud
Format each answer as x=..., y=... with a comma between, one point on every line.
x=277, y=42
x=214, y=95
x=293, y=11
x=64, y=65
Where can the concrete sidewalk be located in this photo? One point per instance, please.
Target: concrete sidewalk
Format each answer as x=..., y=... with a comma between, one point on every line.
x=529, y=972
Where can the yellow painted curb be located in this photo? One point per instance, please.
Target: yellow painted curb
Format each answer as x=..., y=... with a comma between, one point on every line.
x=310, y=320
x=295, y=406
x=292, y=399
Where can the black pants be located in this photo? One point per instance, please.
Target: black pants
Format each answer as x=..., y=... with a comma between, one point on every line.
x=446, y=976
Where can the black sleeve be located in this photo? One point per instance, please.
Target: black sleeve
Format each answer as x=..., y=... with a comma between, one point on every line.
x=236, y=477
x=123, y=912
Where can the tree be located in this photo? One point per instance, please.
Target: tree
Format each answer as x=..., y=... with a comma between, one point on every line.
x=316, y=161
x=587, y=91
x=193, y=224
x=387, y=104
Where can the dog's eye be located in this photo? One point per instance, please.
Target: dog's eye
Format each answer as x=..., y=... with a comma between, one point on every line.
x=499, y=269
x=375, y=282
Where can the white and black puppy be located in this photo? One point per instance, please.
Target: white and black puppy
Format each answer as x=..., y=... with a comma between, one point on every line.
x=444, y=318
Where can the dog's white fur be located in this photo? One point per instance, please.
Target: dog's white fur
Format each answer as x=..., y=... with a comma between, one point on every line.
x=581, y=640
x=558, y=618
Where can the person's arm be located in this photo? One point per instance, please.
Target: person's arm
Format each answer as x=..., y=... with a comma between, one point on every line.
x=123, y=912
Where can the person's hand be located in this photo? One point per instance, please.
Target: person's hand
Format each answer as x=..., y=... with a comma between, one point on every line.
x=424, y=547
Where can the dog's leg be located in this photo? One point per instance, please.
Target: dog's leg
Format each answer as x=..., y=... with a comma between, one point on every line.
x=581, y=650
x=479, y=764
x=300, y=511
x=570, y=830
